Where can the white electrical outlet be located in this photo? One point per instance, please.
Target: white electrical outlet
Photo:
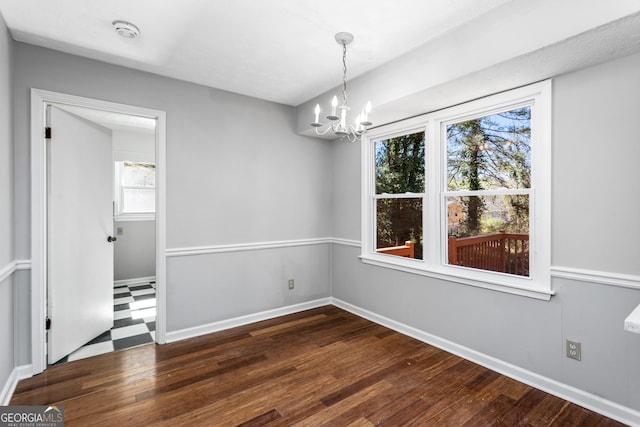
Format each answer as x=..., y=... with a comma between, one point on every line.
x=291, y=284
x=574, y=350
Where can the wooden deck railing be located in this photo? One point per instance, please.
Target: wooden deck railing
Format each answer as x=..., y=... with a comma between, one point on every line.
x=407, y=250
x=501, y=251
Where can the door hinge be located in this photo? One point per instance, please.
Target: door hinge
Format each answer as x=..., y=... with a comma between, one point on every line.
x=47, y=132
x=47, y=324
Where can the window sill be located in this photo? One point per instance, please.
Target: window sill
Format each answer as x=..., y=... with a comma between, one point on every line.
x=632, y=322
x=495, y=285
x=135, y=217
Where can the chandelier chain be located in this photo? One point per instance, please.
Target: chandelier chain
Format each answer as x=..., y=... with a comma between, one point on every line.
x=344, y=73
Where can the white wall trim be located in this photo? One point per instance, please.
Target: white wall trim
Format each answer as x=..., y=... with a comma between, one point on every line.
x=214, y=249
x=238, y=247
x=599, y=277
x=23, y=264
x=13, y=266
x=244, y=320
x=590, y=401
x=134, y=281
x=7, y=271
x=18, y=373
x=346, y=242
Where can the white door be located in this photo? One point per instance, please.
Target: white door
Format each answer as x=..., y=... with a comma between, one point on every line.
x=80, y=220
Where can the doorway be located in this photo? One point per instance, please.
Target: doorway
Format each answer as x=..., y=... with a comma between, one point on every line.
x=116, y=118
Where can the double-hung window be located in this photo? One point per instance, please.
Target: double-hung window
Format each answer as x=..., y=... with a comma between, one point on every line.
x=135, y=190
x=463, y=194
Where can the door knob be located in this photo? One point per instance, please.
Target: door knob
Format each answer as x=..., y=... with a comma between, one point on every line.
x=111, y=239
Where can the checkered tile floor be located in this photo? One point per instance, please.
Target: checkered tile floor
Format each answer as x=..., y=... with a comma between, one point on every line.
x=134, y=313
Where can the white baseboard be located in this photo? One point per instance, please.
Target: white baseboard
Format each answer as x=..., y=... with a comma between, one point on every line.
x=134, y=281
x=18, y=373
x=579, y=397
x=244, y=320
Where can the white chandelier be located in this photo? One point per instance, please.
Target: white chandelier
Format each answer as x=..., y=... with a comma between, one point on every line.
x=338, y=117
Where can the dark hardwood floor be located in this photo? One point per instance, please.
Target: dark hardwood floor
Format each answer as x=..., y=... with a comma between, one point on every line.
x=319, y=367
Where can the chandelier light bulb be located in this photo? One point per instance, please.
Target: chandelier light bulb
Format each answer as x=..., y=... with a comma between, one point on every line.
x=365, y=115
x=334, y=105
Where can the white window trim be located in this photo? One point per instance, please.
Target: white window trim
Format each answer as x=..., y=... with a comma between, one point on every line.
x=538, y=284
x=129, y=217
x=118, y=215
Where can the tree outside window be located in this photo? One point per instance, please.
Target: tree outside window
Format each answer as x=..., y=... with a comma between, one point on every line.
x=400, y=187
x=487, y=191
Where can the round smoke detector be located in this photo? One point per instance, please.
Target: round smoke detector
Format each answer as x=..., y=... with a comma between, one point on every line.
x=126, y=29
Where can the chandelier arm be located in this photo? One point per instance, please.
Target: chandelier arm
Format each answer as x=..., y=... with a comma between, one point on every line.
x=324, y=132
x=351, y=137
x=354, y=131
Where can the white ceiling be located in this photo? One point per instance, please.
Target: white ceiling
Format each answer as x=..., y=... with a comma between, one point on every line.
x=112, y=120
x=284, y=50
x=278, y=50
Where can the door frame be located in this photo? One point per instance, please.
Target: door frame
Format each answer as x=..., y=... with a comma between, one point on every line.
x=39, y=233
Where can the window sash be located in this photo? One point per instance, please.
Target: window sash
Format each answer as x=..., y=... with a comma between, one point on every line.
x=398, y=196
x=416, y=238
x=136, y=187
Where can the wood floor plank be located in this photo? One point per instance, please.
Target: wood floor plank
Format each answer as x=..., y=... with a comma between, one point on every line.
x=329, y=415
x=318, y=367
x=360, y=422
x=262, y=419
x=492, y=413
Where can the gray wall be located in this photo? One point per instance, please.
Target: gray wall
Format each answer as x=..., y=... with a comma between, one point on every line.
x=6, y=207
x=596, y=202
x=596, y=150
x=134, y=253
x=236, y=174
x=6, y=149
x=228, y=285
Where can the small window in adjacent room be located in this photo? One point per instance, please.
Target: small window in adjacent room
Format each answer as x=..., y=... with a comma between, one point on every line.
x=465, y=193
x=135, y=190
